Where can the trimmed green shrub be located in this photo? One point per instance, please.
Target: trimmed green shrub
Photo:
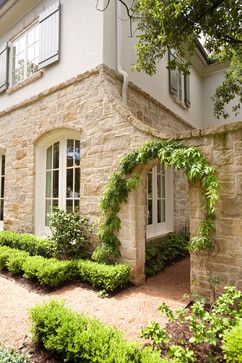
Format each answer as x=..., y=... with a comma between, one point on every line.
x=163, y=252
x=15, y=262
x=78, y=338
x=71, y=233
x=29, y=243
x=107, y=277
x=49, y=272
x=53, y=272
x=232, y=346
x=8, y=355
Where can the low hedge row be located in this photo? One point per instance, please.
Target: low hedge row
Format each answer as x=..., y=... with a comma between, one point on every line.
x=162, y=252
x=78, y=338
x=52, y=272
x=29, y=243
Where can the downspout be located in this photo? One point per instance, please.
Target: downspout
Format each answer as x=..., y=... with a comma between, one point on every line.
x=119, y=52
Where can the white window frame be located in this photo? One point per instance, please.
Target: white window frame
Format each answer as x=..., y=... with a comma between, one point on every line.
x=158, y=229
x=40, y=182
x=2, y=177
x=12, y=42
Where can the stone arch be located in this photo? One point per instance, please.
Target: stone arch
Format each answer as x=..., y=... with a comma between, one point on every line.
x=126, y=185
x=133, y=215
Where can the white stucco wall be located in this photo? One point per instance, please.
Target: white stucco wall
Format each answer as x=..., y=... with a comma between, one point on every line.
x=81, y=45
x=210, y=84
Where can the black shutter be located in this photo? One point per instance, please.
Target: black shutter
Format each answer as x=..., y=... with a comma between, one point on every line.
x=187, y=90
x=49, y=26
x=172, y=75
x=4, y=60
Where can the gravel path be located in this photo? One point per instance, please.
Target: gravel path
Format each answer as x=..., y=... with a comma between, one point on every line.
x=128, y=310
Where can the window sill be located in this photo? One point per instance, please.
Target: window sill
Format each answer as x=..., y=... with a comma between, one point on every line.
x=159, y=235
x=25, y=83
x=180, y=103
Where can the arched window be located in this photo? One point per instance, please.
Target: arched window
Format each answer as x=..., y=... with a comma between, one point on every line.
x=2, y=180
x=159, y=201
x=57, y=177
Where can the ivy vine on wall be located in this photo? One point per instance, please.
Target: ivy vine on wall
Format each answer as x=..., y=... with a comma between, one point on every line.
x=121, y=182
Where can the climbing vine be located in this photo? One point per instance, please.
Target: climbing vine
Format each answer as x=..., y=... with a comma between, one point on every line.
x=121, y=182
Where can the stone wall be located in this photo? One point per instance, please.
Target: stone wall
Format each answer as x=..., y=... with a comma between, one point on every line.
x=90, y=104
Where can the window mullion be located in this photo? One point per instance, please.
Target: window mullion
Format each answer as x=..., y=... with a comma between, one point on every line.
x=62, y=174
x=154, y=197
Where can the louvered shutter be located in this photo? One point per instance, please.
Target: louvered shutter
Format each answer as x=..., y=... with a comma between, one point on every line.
x=4, y=54
x=187, y=90
x=49, y=30
x=172, y=75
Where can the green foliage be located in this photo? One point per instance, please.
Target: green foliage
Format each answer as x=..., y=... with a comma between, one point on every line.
x=78, y=338
x=48, y=272
x=107, y=277
x=163, y=252
x=71, y=233
x=52, y=272
x=178, y=25
x=232, y=346
x=201, y=330
x=29, y=243
x=8, y=355
x=170, y=153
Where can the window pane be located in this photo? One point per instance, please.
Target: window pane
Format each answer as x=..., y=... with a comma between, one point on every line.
x=76, y=205
x=3, y=165
x=55, y=204
x=77, y=183
x=56, y=183
x=158, y=186
x=49, y=158
x=149, y=185
x=158, y=211
x=77, y=152
x=47, y=211
x=163, y=211
x=70, y=152
x=56, y=156
x=1, y=209
x=2, y=187
x=69, y=183
x=48, y=184
x=69, y=206
x=150, y=217
x=163, y=186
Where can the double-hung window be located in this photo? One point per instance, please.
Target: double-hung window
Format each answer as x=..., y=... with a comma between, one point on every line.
x=24, y=53
x=179, y=83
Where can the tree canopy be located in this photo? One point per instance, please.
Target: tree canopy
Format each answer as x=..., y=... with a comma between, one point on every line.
x=179, y=24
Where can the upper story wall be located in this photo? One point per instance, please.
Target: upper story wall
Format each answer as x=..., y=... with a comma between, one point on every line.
x=203, y=79
x=81, y=43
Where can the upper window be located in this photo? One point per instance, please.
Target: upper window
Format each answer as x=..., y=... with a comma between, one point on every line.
x=179, y=83
x=37, y=47
x=24, y=55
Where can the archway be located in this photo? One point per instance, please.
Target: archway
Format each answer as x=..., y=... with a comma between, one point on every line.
x=125, y=186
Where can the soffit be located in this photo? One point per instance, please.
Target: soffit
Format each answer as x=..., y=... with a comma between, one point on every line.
x=13, y=11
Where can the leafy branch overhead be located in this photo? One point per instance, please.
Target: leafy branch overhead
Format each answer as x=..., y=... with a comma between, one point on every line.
x=121, y=182
x=179, y=24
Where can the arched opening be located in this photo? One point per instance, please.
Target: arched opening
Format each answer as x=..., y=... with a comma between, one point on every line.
x=57, y=176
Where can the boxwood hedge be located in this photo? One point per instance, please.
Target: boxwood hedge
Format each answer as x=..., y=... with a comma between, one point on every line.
x=78, y=338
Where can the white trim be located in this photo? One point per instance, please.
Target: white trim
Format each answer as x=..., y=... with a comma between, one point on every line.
x=40, y=177
x=156, y=229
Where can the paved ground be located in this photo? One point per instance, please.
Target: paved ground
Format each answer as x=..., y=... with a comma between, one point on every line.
x=128, y=310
